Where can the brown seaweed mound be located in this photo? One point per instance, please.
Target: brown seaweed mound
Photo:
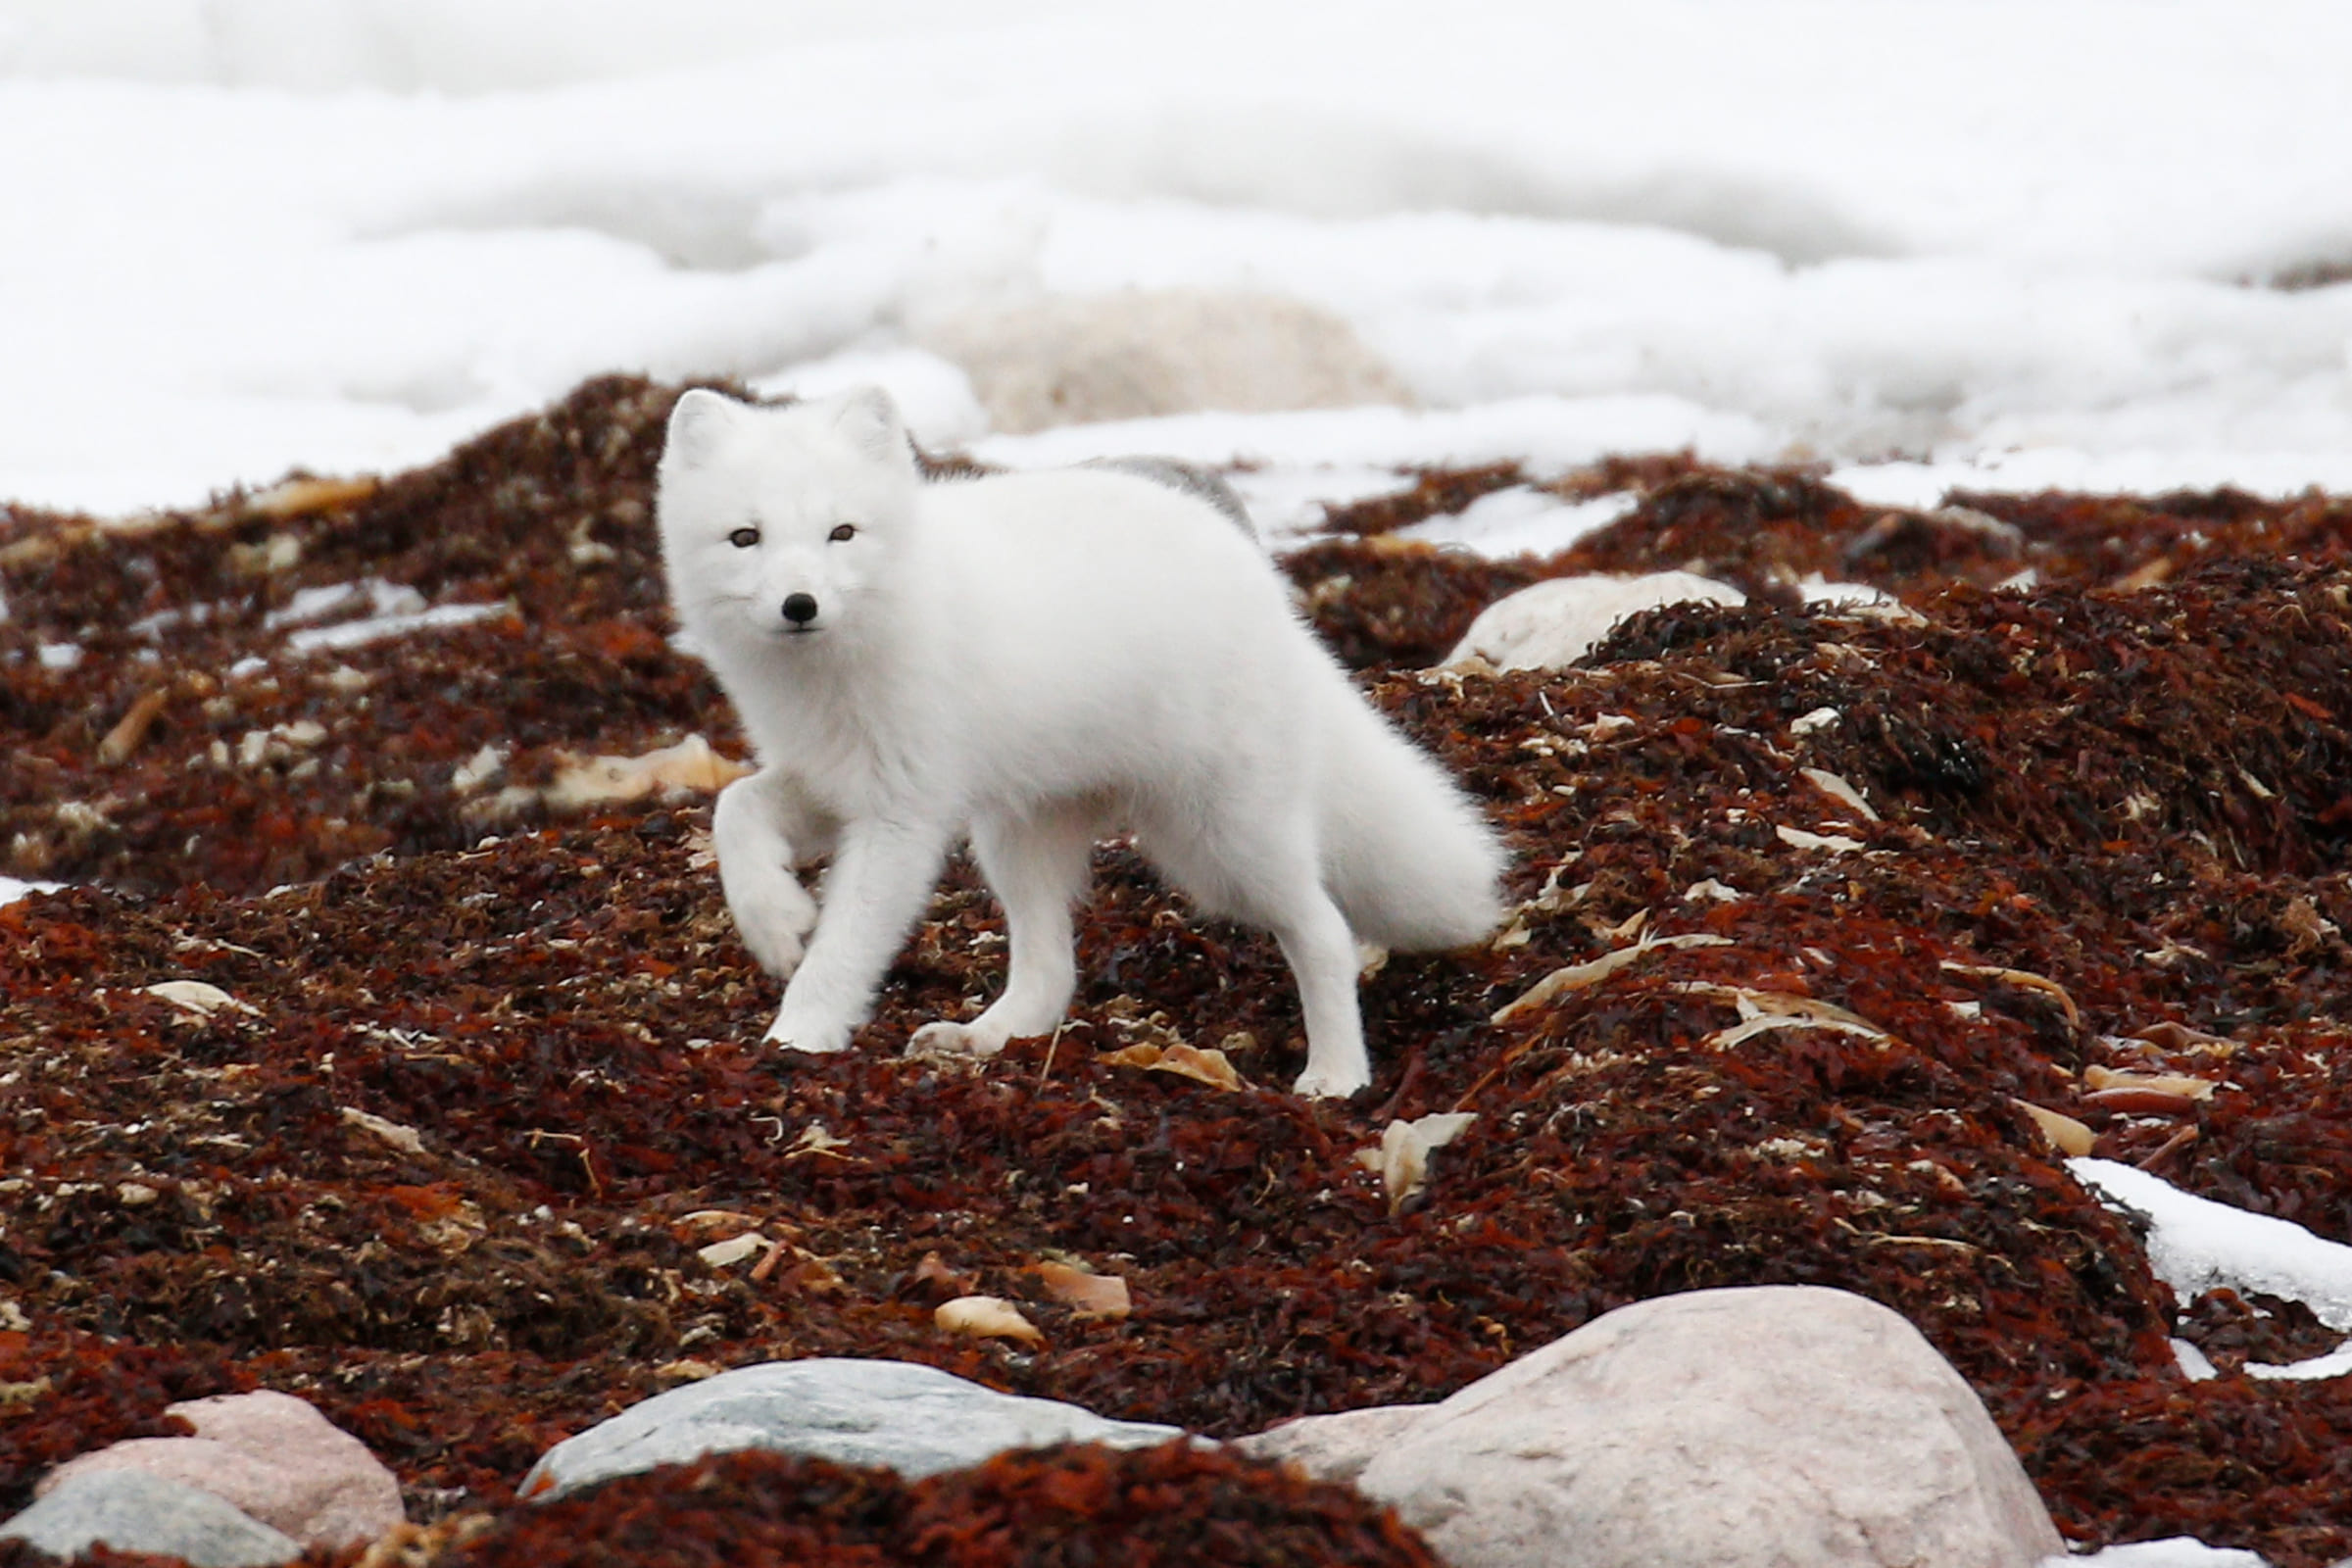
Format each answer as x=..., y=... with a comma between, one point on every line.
x=1078, y=1507
x=2065, y=833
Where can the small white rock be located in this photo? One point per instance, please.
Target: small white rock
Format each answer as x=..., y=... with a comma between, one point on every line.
x=733, y=1251
x=1554, y=623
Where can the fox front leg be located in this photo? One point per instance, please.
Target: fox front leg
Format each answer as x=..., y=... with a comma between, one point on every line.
x=881, y=879
x=760, y=829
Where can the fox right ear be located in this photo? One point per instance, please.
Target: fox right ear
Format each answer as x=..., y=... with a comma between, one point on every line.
x=701, y=418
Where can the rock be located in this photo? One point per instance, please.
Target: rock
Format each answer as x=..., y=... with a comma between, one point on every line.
x=1143, y=352
x=132, y=1510
x=1336, y=1448
x=269, y=1454
x=916, y=1420
x=1779, y=1425
x=1555, y=623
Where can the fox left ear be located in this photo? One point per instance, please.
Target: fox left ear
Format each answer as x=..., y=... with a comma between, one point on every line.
x=870, y=420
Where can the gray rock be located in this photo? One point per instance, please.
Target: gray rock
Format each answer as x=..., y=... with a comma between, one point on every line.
x=1336, y=1448
x=1773, y=1427
x=132, y=1510
x=916, y=1420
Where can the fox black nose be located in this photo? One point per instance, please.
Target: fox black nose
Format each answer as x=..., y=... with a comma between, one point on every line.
x=799, y=609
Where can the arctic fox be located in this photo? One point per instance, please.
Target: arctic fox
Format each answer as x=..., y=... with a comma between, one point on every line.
x=1035, y=659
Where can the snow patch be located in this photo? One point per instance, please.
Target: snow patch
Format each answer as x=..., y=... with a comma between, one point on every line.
x=376, y=628
x=12, y=888
x=2196, y=1245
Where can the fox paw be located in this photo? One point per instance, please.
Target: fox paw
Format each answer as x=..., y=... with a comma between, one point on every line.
x=945, y=1039
x=1315, y=1084
x=817, y=1037
x=774, y=929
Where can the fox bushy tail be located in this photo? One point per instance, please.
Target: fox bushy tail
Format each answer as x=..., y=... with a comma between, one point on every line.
x=1407, y=857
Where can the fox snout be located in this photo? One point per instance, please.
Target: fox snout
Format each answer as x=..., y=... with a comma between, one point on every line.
x=799, y=610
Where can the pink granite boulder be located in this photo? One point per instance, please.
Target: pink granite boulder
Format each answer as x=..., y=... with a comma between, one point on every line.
x=273, y=1456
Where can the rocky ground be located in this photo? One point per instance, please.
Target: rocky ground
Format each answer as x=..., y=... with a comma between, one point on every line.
x=486, y=1081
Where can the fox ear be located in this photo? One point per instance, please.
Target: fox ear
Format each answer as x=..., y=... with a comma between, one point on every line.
x=869, y=419
x=697, y=424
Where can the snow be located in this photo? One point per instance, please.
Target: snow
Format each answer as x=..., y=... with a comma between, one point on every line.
x=1520, y=519
x=12, y=888
x=2334, y=1364
x=2174, y=1551
x=1943, y=242
x=378, y=627
x=2196, y=1245
x=311, y=604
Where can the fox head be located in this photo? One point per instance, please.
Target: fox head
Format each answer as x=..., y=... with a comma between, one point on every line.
x=777, y=525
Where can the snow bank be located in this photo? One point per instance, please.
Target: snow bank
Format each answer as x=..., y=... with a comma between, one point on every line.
x=2196, y=1245
x=250, y=234
x=12, y=888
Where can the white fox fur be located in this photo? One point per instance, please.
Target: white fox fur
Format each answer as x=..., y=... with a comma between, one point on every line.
x=1035, y=659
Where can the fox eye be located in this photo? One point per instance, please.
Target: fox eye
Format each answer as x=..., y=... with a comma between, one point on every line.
x=744, y=538
x=843, y=534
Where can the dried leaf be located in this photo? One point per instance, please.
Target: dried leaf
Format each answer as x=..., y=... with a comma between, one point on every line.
x=709, y=1219
x=2181, y=1036
x=1726, y=1039
x=734, y=1249
x=295, y=497
x=2066, y=1135
x=1103, y=1295
x=811, y=1275
x=2169, y=1082
x=1796, y=838
x=2022, y=981
x=934, y=1278
x=196, y=997
x=408, y=1546
x=1578, y=976
x=401, y=1137
x=815, y=1139
x=1838, y=790
x=1211, y=1067
x=691, y=764
x=1402, y=1159
x=1754, y=1004
x=985, y=1317
x=129, y=730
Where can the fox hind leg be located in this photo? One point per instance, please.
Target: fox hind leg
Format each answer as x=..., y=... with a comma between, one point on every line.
x=1321, y=952
x=1264, y=868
